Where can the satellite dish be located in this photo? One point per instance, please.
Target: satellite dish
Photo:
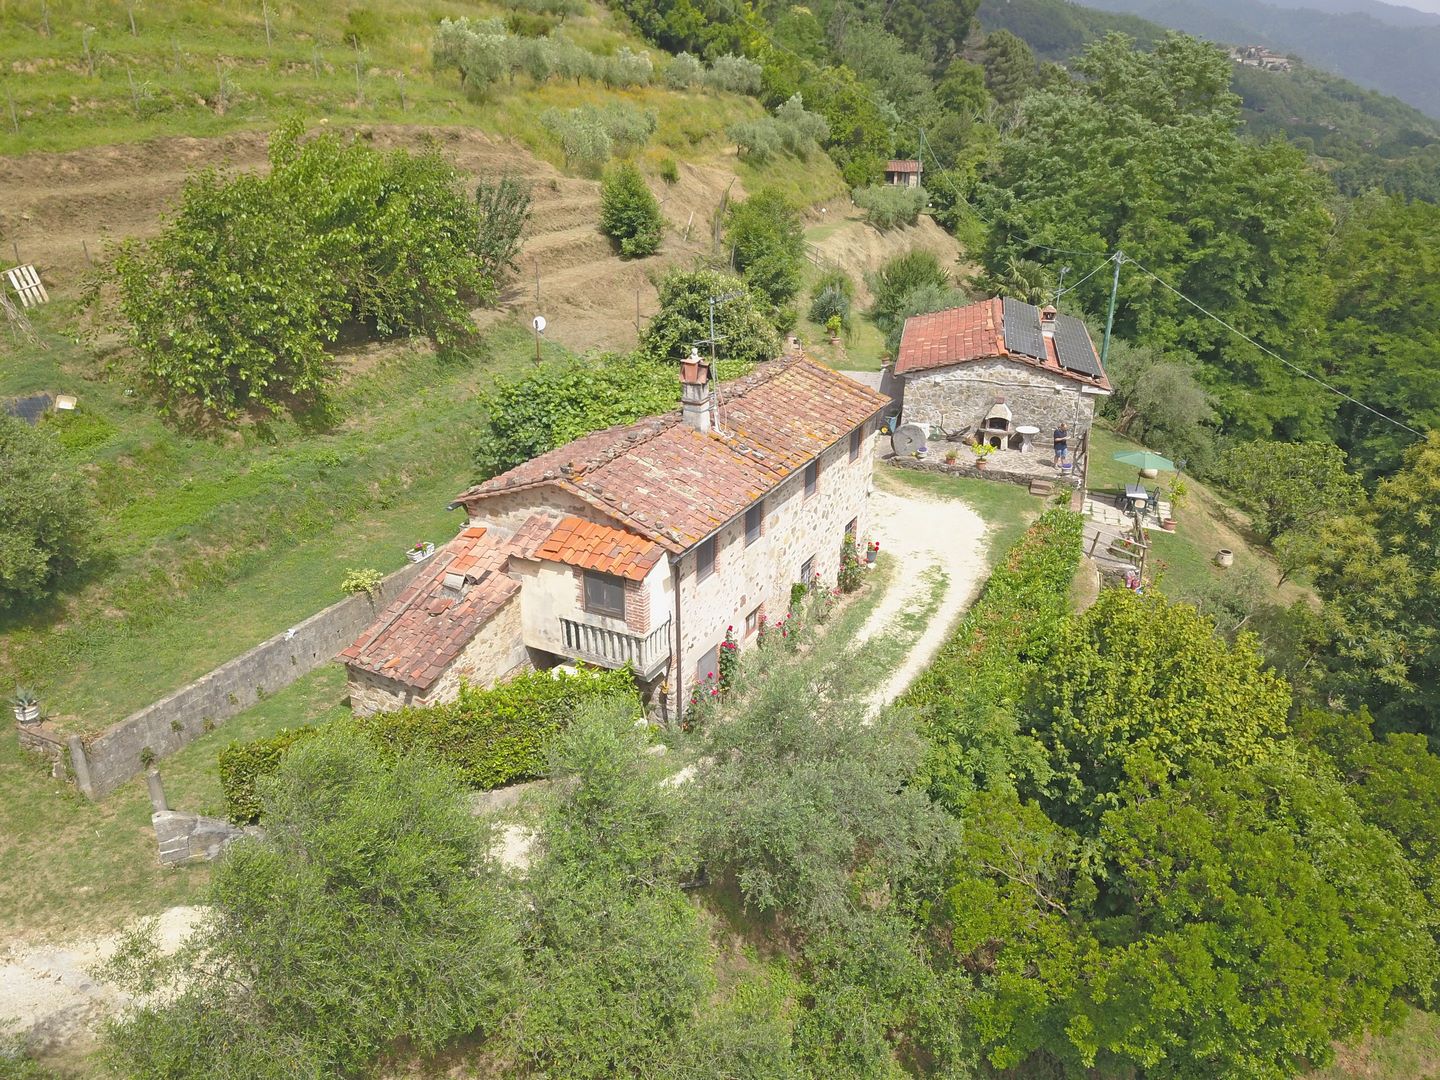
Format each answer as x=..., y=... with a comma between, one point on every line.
x=538, y=323
x=908, y=438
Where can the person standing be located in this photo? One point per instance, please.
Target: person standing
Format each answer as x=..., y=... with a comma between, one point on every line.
x=1062, y=444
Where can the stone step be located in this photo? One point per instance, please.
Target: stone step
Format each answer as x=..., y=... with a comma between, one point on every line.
x=1042, y=487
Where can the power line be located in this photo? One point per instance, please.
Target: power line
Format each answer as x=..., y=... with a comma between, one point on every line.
x=1274, y=355
x=1066, y=292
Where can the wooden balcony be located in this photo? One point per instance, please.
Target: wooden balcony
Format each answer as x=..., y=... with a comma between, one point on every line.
x=646, y=654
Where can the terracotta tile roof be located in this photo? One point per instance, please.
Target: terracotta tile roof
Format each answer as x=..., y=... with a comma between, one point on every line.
x=902, y=165
x=427, y=626
x=974, y=332
x=582, y=543
x=665, y=481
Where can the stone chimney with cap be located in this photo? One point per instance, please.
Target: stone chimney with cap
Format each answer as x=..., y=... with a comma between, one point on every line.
x=697, y=402
x=1047, y=320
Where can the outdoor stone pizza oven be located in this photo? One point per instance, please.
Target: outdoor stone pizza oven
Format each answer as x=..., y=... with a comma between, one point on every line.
x=998, y=429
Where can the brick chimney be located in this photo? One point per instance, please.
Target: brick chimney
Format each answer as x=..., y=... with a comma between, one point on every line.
x=697, y=403
x=1047, y=320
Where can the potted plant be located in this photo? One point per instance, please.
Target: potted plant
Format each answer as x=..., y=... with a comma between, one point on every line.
x=872, y=551
x=26, y=705
x=833, y=327
x=951, y=456
x=421, y=551
x=982, y=451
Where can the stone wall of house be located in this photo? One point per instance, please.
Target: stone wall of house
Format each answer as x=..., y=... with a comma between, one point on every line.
x=102, y=763
x=497, y=650
x=507, y=511
x=794, y=529
x=962, y=396
x=550, y=591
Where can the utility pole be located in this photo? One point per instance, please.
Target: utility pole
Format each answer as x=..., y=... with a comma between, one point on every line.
x=1110, y=318
x=1060, y=288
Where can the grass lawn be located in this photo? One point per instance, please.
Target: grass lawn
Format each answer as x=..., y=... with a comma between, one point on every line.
x=67, y=865
x=1411, y=1052
x=1206, y=522
x=209, y=543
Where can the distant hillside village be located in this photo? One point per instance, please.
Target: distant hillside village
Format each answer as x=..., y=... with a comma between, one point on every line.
x=1260, y=57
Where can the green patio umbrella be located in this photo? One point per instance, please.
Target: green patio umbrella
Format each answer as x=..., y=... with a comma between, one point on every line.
x=1144, y=459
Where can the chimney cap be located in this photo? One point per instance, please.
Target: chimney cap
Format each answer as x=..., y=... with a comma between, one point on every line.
x=1048, y=313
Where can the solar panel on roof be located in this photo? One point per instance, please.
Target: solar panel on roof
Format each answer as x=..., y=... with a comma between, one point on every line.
x=1022, y=328
x=1072, y=345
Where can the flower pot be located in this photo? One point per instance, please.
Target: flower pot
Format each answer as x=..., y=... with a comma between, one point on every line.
x=27, y=714
x=1224, y=557
x=420, y=554
x=1168, y=524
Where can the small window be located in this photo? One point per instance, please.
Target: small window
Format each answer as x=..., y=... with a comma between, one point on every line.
x=852, y=530
x=604, y=595
x=705, y=560
x=709, y=666
x=855, y=439
x=752, y=621
x=812, y=478
x=807, y=570
x=753, y=517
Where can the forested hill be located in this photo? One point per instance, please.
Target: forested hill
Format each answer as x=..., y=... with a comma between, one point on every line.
x=1399, y=60
x=1361, y=138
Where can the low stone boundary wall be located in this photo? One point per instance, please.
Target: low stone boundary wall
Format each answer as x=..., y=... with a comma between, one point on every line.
x=102, y=763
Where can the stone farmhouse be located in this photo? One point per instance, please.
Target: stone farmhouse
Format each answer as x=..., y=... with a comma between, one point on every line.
x=639, y=545
x=905, y=172
x=1000, y=371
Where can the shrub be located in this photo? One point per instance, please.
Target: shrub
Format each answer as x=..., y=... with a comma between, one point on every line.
x=734, y=74
x=746, y=336
x=756, y=140
x=588, y=135
x=581, y=134
x=887, y=206
x=365, y=581
x=370, y=917
x=669, y=171
x=898, y=278
x=232, y=305
x=684, y=72
x=768, y=242
x=629, y=213
x=965, y=700
x=44, y=513
x=833, y=295
x=241, y=765
x=504, y=208
x=792, y=129
x=488, y=738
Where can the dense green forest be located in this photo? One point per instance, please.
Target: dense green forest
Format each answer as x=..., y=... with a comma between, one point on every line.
x=1395, y=60
x=1361, y=138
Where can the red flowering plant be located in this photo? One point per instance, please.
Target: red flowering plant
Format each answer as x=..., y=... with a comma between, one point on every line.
x=851, y=575
x=729, y=659
x=704, y=696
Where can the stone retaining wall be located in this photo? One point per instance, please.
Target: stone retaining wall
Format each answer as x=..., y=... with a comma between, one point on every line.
x=102, y=763
x=185, y=838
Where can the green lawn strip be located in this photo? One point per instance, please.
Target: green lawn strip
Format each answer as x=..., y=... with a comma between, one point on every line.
x=86, y=868
x=1185, y=560
x=1410, y=1052
x=211, y=547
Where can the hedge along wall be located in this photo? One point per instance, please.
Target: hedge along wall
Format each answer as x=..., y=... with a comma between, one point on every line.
x=488, y=737
x=981, y=672
x=101, y=764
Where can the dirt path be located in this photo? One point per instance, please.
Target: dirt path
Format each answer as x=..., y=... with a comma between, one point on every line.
x=920, y=533
x=50, y=995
